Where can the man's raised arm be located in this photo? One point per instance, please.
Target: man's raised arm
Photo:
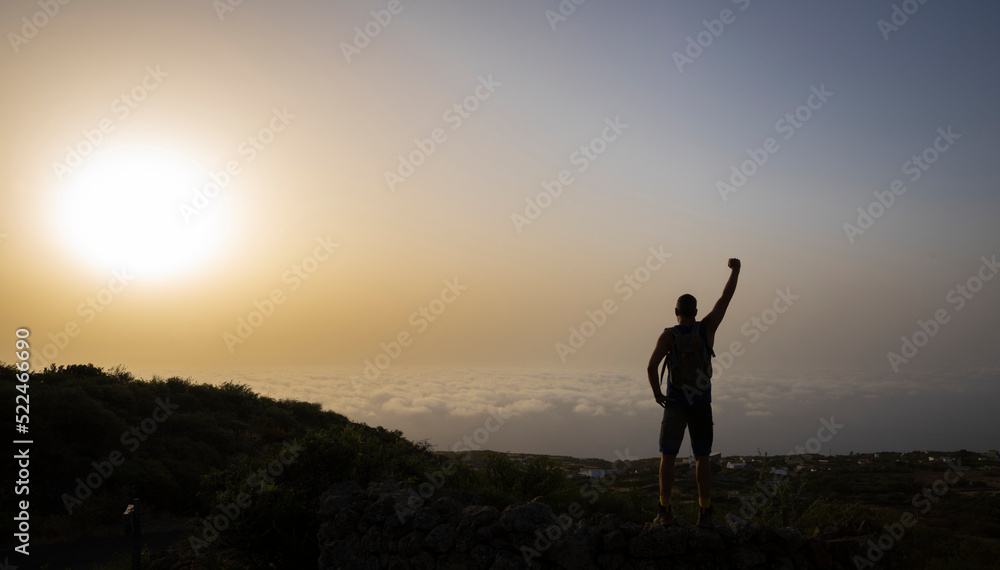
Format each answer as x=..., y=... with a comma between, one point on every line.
x=714, y=319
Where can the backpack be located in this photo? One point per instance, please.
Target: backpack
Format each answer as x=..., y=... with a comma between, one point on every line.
x=688, y=361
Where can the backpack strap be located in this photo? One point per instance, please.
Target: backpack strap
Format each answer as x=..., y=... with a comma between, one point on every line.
x=663, y=369
x=696, y=329
x=696, y=333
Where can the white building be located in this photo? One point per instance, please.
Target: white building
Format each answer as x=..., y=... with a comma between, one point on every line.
x=782, y=471
x=732, y=465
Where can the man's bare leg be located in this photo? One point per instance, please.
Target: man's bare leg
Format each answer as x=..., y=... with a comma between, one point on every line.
x=703, y=474
x=666, y=474
x=666, y=486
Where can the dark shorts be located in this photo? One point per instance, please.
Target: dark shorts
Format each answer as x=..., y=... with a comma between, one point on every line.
x=698, y=421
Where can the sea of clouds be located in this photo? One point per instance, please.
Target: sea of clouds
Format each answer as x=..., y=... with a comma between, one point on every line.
x=599, y=413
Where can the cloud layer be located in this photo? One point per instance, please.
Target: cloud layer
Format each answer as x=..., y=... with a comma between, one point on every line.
x=595, y=413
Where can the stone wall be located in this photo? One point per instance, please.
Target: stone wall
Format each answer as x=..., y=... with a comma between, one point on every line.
x=388, y=526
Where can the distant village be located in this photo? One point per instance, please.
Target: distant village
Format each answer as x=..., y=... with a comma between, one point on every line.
x=783, y=466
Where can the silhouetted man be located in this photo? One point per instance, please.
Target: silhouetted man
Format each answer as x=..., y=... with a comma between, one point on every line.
x=688, y=401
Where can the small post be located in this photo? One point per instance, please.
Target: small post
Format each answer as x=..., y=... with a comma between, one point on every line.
x=133, y=528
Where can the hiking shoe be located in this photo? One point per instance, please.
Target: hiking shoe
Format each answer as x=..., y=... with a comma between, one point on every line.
x=705, y=518
x=665, y=516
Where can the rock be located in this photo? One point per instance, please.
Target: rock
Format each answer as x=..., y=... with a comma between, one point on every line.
x=423, y=560
x=385, y=506
x=508, y=560
x=372, y=540
x=784, y=563
x=346, y=519
x=162, y=563
x=441, y=538
x=465, y=540
x=764, y=535
x=572, y=552
x=449, y=506
x=610, y=522
x=337, y=497
x=655, y=541
x=706, y=539
x=612, y=560
x=707, y=559
x=474, y=517
x=399, y=522
x=728, y=536
x=526, y=517
x=489, y=531
x=744, y=557
x=614, y=541
x=736, y=524
x=377, y=489
x=340, y=553
x=483, y=555
x=411, y=543
x=426, y=519
x=394, y=562
x=631, y=529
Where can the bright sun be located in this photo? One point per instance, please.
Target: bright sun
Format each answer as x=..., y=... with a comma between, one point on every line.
x=122, y=209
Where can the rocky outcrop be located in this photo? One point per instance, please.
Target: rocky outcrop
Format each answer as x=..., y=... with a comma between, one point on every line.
x=388, y=525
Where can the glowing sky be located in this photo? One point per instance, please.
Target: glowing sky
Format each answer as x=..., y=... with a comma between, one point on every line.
x=457, y=185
